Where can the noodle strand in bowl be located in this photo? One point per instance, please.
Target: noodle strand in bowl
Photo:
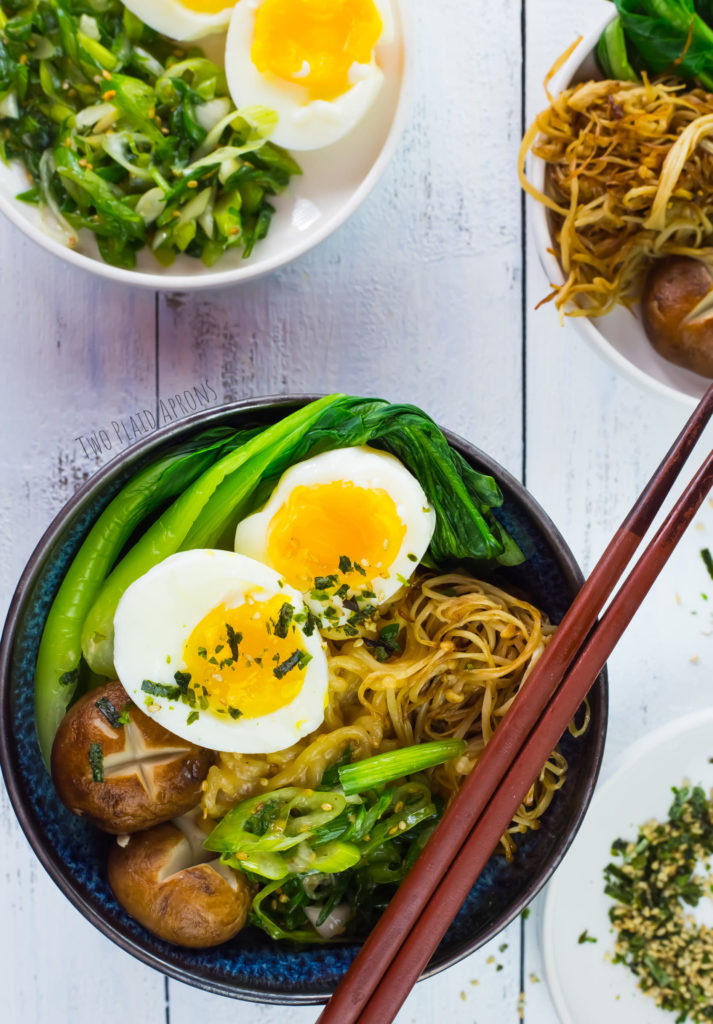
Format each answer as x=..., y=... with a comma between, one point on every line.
x=628, y=177
x=467, y=647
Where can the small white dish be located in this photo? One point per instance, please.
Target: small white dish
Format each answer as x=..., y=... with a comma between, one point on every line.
x=619, y=336
x=334, y=182
x=586, y=988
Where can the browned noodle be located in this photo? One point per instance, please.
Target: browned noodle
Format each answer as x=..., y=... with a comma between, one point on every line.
x=629, y=167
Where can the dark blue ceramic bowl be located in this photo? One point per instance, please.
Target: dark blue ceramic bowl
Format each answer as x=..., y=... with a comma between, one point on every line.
x=252, y=966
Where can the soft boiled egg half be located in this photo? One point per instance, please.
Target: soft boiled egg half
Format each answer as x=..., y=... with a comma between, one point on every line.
x=347, y=528
x=212, y=645
x=183, y=19
x=312, y=61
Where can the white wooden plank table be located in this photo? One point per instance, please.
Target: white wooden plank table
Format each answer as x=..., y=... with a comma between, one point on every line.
x=427, y=295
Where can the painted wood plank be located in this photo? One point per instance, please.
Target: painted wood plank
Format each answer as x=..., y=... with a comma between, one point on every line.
x=78, y=353
x=417, y=296
x=482, y=989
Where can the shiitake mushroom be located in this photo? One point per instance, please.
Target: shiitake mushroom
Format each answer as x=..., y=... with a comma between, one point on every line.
x=677, y=307
x=117, y=767
x=162, y=878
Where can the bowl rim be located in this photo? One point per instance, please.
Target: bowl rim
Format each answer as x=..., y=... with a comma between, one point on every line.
x=25, y=811
x=250, y=271
x=543, y=240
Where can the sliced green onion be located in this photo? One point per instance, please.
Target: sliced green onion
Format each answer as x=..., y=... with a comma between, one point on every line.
x=395, y=764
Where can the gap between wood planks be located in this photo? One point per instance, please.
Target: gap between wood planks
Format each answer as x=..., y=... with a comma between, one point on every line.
x=523, y=371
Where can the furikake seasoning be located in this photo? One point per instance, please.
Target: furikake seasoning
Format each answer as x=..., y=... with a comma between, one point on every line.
x=654, y=879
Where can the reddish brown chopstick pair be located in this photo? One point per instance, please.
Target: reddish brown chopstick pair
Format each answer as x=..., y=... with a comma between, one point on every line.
x=418, y=916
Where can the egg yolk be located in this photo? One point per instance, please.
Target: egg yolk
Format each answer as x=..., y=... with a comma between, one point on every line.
x=315, y=42
x=318, y=525
x=205, y=6
x=239, y=665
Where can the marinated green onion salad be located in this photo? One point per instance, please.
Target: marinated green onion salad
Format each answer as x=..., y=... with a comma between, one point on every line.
x=131, y=135
x=332, y=857
x=653, y=880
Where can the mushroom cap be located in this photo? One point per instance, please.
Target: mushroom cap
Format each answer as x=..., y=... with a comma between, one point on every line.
x=155, y=878
x=677, y=309
x=149, y=775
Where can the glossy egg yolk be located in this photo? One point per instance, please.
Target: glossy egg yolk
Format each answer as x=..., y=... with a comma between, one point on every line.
x=238, y=664
x=315, y=42
x=205, y=6
x=312, y=532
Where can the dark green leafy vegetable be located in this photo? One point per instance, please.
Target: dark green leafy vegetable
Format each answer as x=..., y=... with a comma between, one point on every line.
x=664, y=35
x=234, y=640
x=283, y=620
x=131, y=138
x=109, y=711
x=387, y=642
x=707, y=560
x=295, y=659
x=96, y=762
x=160, y=689
x=182, y=681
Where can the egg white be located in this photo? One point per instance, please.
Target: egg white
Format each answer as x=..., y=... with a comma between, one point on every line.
x=368, y=468
x=302, y=123
x=172, y=19
x=157, y=614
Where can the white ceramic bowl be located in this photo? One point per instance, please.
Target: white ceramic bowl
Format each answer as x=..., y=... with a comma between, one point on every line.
x=334, y=182
x=586, y=987
x=620, y=335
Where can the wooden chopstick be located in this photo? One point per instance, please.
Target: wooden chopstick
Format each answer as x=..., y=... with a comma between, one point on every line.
x=453, y=888
x=390, y=933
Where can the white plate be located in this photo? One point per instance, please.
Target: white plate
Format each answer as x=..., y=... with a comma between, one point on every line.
x=586, y=988
x=335, y=181
x=619, y=336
